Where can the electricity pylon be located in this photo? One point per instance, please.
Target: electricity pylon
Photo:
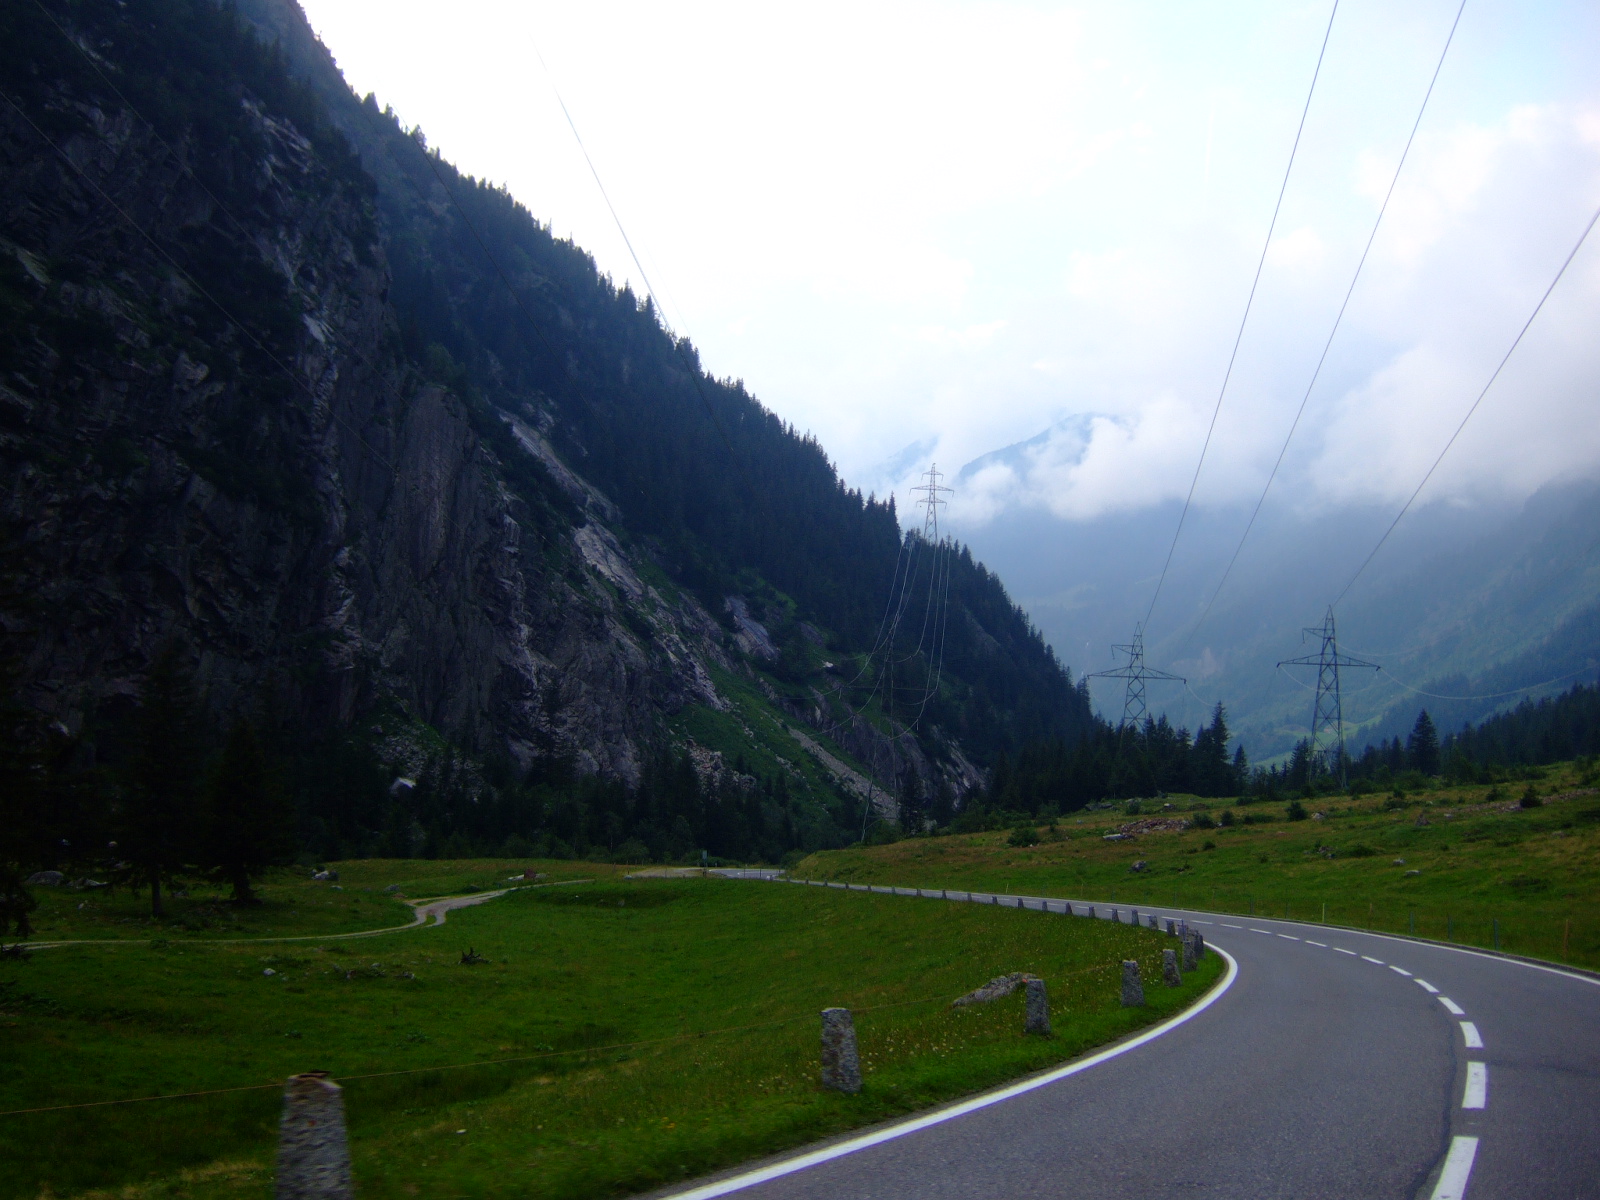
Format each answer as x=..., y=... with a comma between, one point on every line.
x=1327, y=713
x=1135, y=672
x=931, y=502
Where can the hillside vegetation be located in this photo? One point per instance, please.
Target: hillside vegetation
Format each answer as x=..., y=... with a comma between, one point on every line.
x=618, y=1035
x=1448, y=862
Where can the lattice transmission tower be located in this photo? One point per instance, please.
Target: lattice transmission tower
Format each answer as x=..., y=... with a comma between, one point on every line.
x=1136, y=673
x=1327, y=712
x=931, y=502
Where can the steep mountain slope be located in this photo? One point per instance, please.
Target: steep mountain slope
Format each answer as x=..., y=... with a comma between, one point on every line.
x=395, y=466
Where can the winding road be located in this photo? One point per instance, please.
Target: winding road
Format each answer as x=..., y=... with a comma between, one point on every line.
x=1328, y=1064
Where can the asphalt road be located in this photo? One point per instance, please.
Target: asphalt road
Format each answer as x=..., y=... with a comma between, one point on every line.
x=1336, y=1065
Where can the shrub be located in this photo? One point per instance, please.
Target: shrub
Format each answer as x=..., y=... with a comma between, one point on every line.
x=1023, y=835
x=1530, y=798
x=1133, y=809
x=1296, y=811
x=1202, y=820
x=1210, y=845
x=1359, y=850
x=1227, y=817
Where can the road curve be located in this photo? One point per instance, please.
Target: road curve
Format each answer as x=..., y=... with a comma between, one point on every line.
x=1338, y=1065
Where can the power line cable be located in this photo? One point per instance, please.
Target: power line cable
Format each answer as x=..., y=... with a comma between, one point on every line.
x=1333, y=332
x=1505, y=358
x=1245, y=319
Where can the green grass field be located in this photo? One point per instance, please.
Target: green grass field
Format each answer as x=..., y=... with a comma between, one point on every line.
x=1449, y=864
x=642, y=1031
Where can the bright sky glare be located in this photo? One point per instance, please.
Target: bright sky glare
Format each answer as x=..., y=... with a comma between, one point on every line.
x=929, y=230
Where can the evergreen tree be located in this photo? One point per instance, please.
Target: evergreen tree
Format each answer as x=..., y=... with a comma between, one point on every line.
x=247, y=827
x=20, y=770
x=1422, y=747
x=157, y=818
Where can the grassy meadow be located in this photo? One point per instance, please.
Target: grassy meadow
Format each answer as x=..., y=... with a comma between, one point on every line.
x=638, y=1031
x=1449, y=863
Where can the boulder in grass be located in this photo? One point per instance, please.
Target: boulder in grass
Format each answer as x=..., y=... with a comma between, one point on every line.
x=46, y=879
x=1001, y=985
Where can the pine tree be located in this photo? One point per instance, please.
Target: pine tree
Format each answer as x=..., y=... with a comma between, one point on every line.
x=247, y=825
x=157, y=821
x=1422, y=747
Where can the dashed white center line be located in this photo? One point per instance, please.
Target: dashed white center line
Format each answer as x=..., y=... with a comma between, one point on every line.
x=1452, y=1183
x=1289, y=936
x=1370, y=959
x=1342, y=950
x=1202, y=922
x=1268, y=932
x=1426, y=986
x=1477, y=1086
x=1225, y=925
x=1469, y=1032
x=1454, y=1009
x=1400, y=970
x=1309, y=942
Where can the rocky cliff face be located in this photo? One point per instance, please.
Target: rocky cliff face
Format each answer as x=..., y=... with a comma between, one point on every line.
x=253, y=469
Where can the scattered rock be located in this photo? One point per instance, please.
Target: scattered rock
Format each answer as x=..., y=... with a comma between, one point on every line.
x=269, y=972
x=1001, y=985
x=393, y=887
x=1139, y=866
x=1115, y=837
x=1399, y=862
x=46, y=879
x=1413, y=871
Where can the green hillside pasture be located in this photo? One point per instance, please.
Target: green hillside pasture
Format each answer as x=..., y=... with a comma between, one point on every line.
x=1473, y=862
x=292, y=903
x=646, y=1031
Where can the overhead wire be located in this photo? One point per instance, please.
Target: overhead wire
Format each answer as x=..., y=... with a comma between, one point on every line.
x=1338, y=319
x=1499, y=367
x=1244, y=320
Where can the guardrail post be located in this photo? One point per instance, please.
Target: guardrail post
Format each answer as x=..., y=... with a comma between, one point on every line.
x=1132, y=989
x=313, y=1151
x=1169, y=969
x=1038, y=1002
x=841, y=1066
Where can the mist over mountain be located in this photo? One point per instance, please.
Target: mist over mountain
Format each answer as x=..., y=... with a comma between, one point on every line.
x=1494, y=599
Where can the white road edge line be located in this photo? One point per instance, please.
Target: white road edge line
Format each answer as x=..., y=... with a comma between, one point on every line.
x=1470, y=1033
x=1477, y=1093
x=828, y=1153
x=1426, y=986
x=1452, y=1183
x=1454, y=1009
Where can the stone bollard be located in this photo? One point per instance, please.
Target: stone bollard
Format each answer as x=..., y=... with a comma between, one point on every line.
x=1169, y=969
x=1188, y=952
x=1091, y=912
x=1172, y=927
x=1199, y=944
x=1134, y=913
x=1153, y=923
x=313, y=1154
x=1132, y=989
x=944, y=894
x=1038, y=1008
x=1019, y=902
x=841, y=1067
x=1116, y=916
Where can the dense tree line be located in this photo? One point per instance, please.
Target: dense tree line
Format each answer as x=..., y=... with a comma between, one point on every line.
x=1054, y=776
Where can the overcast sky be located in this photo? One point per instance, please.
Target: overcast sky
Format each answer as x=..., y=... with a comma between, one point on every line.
x=925, y=231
